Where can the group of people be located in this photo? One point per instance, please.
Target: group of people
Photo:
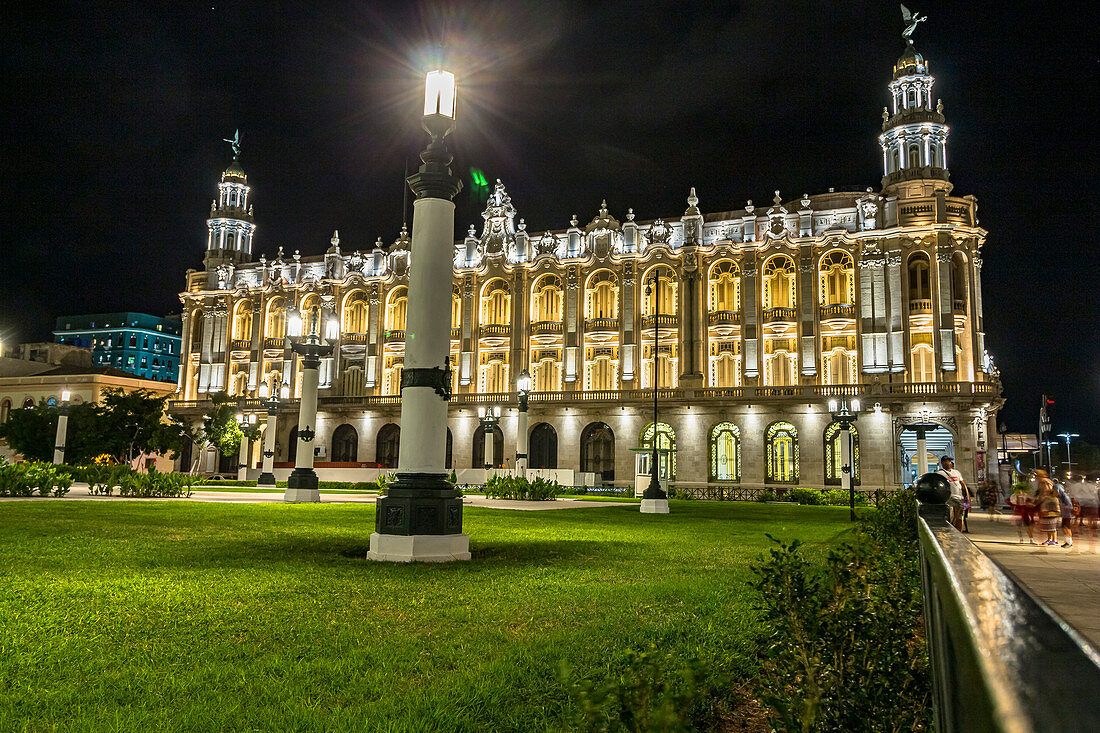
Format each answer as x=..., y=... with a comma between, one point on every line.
x=1054, y=508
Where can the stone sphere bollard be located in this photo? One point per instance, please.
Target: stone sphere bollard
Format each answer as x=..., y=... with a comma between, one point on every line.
x=933, y=488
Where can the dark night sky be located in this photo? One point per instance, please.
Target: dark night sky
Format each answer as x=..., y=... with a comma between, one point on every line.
x=115, y=114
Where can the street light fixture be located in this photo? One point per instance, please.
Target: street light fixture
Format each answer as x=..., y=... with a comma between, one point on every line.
x=846, y=413
x=490, y=417
x=1068, y=437
x=271, y=403
x=523, y=387
x=420, y=518
x=62, y=428
x=302, y=484
x=654, y=499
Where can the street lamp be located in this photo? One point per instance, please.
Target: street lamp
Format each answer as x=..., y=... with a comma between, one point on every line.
x=420, y=518
x=523, y=387
x=490, y=417
x=654, y=500
x=246, y=423
x=267, y=475
x=302, y=484
x=845, y=416
x=1068, y=437
x=62, y=428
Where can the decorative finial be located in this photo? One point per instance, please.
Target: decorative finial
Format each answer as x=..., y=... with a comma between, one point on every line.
x=939, y=106
x=280, y=254
x=335, y=241
x=522, y=225
x=911, y=21
x=472, y=233
x=603, y=208
x=404, y=231
x=235, y=143
x=574, y=220
x=630, y=214
x=693, y=200
x=805, y=201
x=378, y=244
x=777, y=201
x=749, y=207
x=885, y=114
x=213, y=205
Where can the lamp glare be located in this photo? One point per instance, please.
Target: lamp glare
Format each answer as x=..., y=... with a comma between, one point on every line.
x=65, y=395
x=439, y=94
x=832, y=405
x=855, y=405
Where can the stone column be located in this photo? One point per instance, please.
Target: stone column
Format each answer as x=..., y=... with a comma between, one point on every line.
x=302, y=484
x=267, y=475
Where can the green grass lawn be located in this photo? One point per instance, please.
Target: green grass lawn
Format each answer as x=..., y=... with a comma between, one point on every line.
x=188, y=616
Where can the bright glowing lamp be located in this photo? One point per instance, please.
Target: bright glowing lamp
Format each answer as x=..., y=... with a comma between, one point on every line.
x=439, y=94
x=285, y=392
x=240, y=417
x=481, y=411
x=65, y=394
x=523, y=382
x=332, y=329
x=855, y=405
x=832, y=405
x=264, y=392
x=252, y=419
x=294, y=325
x=496, y=411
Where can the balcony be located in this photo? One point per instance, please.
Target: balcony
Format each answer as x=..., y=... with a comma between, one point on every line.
x=354, y=339
x=663, y=320
x=456, y=333
x=592, y=325
x=724, y=318
x=277, y=342
x=395, y=335
x=495, y=329
x=837, y=311
x=541, y=328
x=240, y=345
x=920, y=306
x=958, y=307
x=780, y=314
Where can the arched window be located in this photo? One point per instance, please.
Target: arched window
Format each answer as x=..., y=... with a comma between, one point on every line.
x=456, y=307
x=919, y=286
x=543, y=447
x=833, y=462
x=837, y=279
x=779, y=283
x=666, y=447
x=345, y=444
x=725, y=452
x=242, y=320
x=895, y=158
x=725, y=287
x=275, y=324
x=958, y=282
x=397, y=309
x=781, y=446
x=28, y=404
x=601, y=296
x=479, y=447
x=546, y=299
x=924, y=363
x=598, y=451
x=495, y=303
x=666, y=291
x=5, y=410
x=388, y=445
x=355, y=313
x=914, y=156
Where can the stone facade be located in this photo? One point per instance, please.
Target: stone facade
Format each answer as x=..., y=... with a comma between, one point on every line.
x=742, y=319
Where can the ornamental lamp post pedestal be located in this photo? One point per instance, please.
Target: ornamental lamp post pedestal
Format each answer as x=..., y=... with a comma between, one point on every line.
x=845, y=416
x=62, y=428
x=654, y=499
x=302, y=484
x=420, y=517
x=489, y=417
x=523, y=387
x=267, y=475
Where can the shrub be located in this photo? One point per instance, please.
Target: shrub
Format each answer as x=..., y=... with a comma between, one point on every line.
x=766, y=495
x=844, y=642
x=514, y=487
x=28, y=477
x=809, y=497
x=839, y=497
x=155, y=484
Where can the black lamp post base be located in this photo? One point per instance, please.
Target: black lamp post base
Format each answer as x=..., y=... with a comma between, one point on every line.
x=266, y=480
x=419, y=504
x=302, y=486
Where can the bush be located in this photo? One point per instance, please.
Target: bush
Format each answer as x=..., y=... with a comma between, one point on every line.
x=155, y=484
x=766, y=495
x=844, y=642
x=839, y=497
x=810, y=497
x=28, y=477
x=513, y=487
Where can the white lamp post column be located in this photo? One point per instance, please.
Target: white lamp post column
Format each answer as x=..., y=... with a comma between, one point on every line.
x=302, y=484
x=523, y=386
x=267, y=475
x=62, y=429
x=420, y=518
x=846, y=417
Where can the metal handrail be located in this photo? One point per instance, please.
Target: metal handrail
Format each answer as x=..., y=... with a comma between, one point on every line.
x=1001, y=659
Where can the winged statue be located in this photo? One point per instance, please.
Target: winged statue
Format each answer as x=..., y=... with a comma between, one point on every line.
x=235, y=143
x=911, y=22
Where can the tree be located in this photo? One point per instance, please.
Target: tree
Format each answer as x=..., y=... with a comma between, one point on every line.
x=32, y=432
x=133, y=423
x=219, y=429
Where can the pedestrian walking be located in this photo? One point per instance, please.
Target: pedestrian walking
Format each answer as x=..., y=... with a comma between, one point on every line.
x=1050, y=513
x=960, y=494
x=1066, y=506
x=1023, y=508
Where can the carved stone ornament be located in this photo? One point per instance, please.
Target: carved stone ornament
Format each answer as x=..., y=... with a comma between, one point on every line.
x=691, y=262
x=499, y=235
x=870, y=262
x=660, y=232
x=944, y=258
x=468, y=289
x=434, y=377
x=547, y=244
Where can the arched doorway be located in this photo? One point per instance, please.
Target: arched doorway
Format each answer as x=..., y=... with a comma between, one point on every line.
x=598, y=451
x=479, y=447
x=666, y=449
x=725, y=452
x=345, y=444
x=781, y=447
x=833, y=463
x=543, y=450
x=388, y=445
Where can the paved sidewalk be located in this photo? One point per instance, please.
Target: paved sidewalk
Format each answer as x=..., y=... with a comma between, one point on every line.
x=79, y=492
x=1067, y=580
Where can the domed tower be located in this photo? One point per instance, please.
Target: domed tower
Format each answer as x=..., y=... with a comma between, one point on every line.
x=914, y=136
x=230, y=227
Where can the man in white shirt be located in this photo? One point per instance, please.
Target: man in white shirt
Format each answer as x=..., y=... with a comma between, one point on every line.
x=960, y=493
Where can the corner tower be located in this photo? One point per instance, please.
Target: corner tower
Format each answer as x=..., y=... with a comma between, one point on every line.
x=230, y=227
x=914, y=134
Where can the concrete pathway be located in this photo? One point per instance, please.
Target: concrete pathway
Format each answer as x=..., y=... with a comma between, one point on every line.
x=79, y=492
x=1067, y=580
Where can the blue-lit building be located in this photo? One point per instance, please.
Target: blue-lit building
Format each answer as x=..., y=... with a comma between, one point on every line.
x=144, y=345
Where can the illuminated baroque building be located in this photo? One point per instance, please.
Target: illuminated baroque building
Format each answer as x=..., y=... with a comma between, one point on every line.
x=765, y=313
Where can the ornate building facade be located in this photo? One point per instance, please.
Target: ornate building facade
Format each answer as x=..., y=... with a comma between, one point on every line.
x=746, y=322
